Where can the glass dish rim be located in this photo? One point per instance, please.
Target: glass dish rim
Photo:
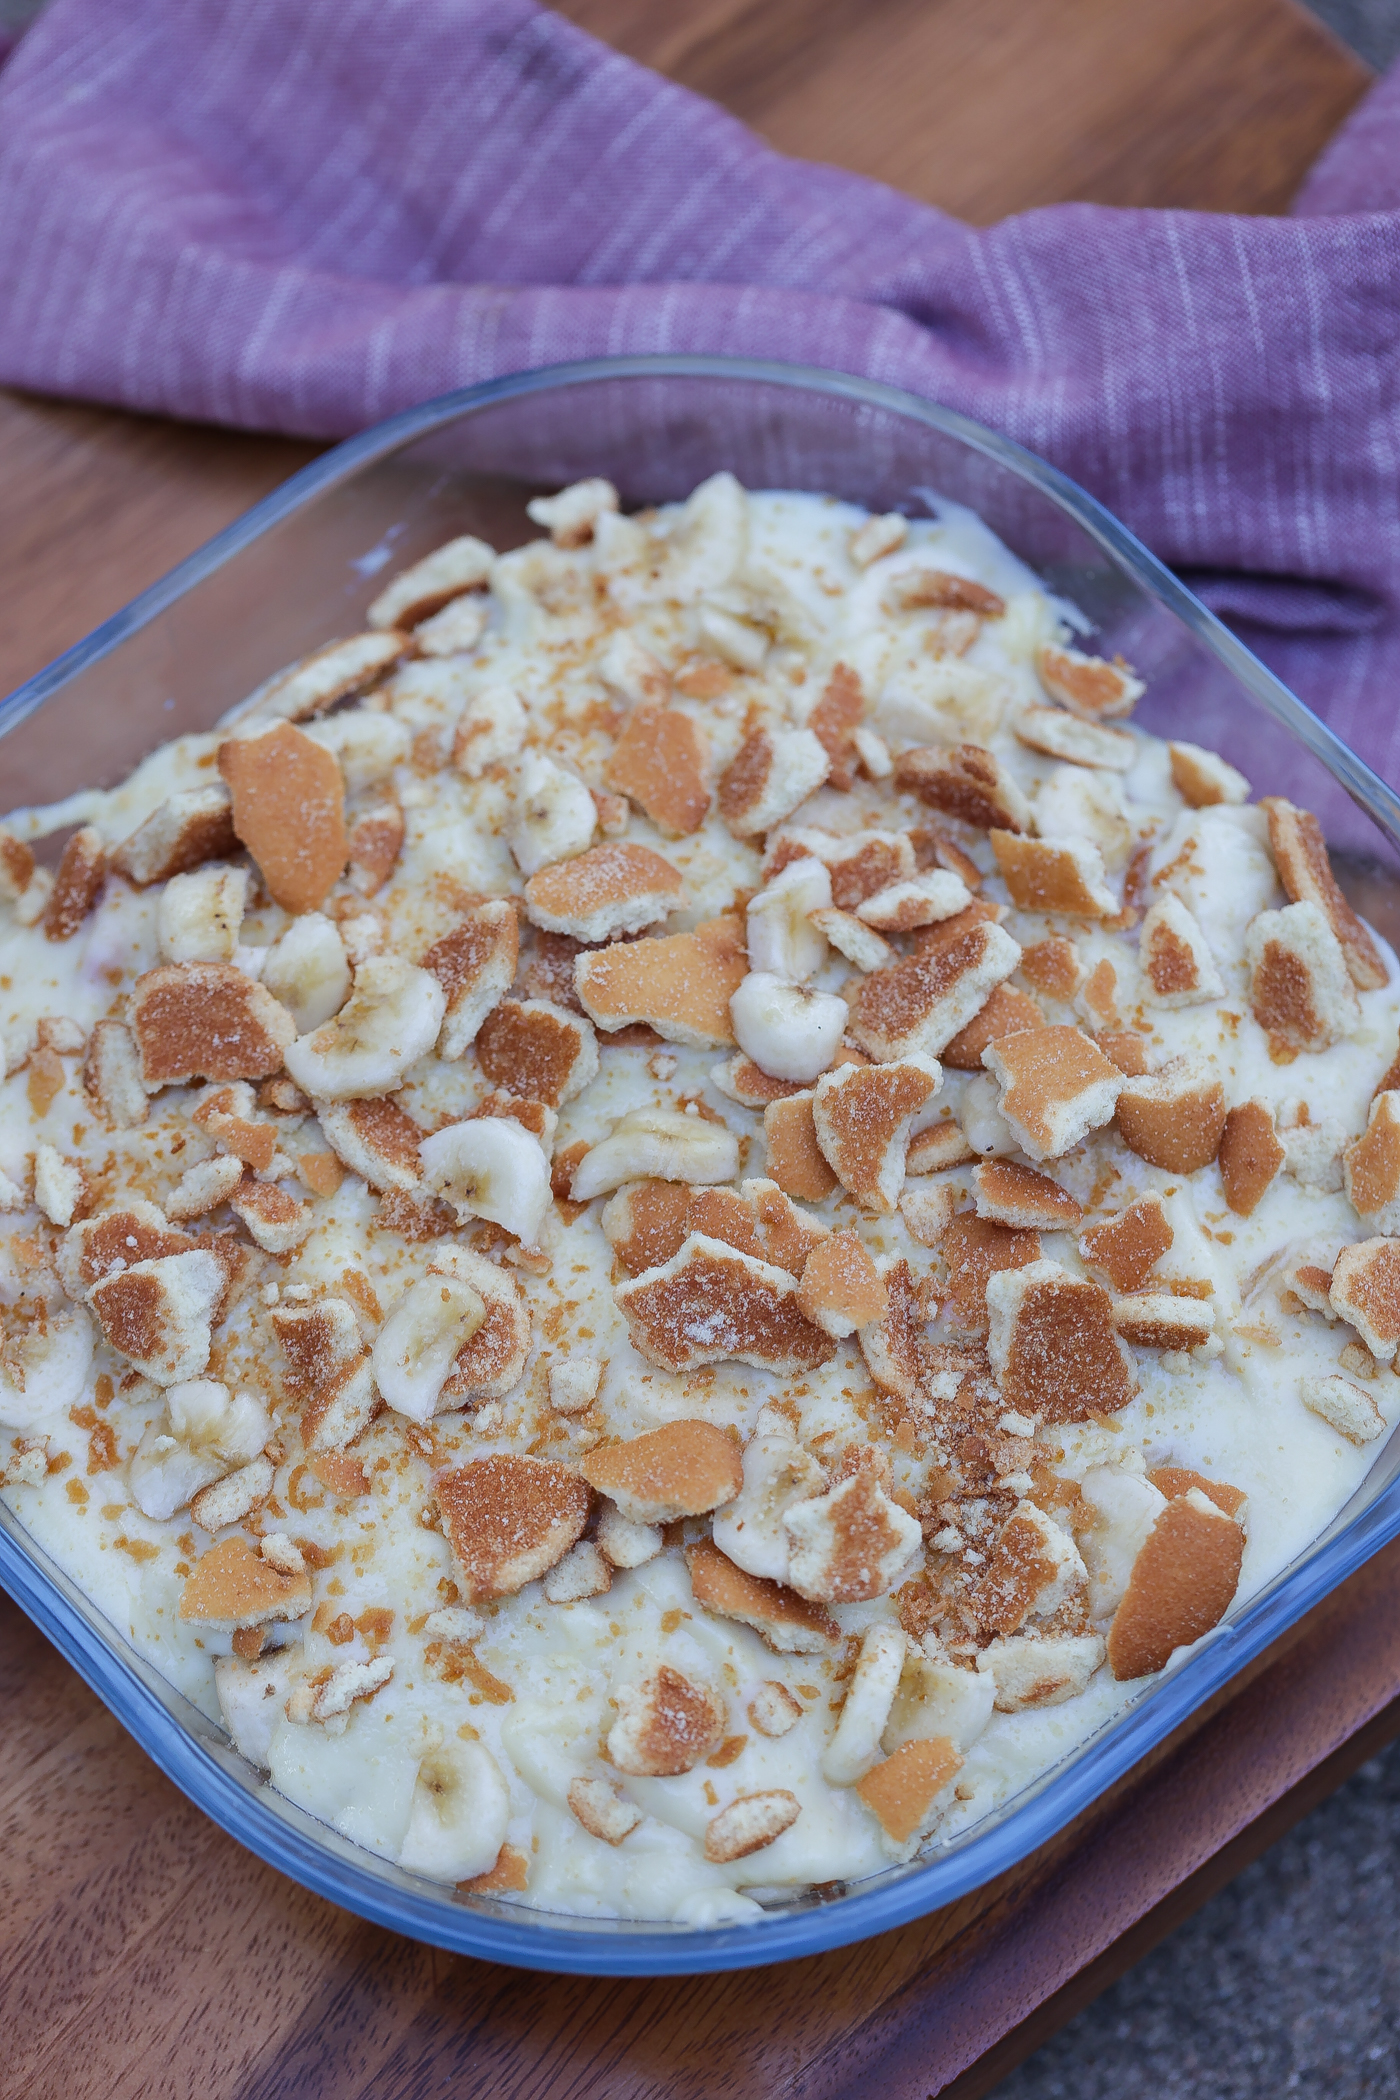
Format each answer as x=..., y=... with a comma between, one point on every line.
x=542, y=1940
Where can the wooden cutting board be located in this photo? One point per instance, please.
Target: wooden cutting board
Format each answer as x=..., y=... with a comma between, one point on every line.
x=142, y=1953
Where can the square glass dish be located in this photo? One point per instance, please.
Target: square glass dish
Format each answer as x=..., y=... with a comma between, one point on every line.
x=301, y=567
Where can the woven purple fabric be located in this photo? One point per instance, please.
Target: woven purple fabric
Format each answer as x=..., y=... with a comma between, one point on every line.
x=301, y=215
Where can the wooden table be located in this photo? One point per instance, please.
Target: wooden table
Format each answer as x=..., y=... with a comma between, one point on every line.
x=141, y=1951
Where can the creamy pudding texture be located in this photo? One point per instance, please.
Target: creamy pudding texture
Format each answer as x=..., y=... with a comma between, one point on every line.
x=671, y=1220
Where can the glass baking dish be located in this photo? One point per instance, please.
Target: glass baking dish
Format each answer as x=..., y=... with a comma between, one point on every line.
x=301, y=567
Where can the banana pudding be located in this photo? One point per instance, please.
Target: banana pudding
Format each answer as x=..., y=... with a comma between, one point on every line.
x=672, y=1219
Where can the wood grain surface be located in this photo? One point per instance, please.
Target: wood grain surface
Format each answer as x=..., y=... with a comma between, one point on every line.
x=142, y=1952
x=992, y=106
x=94, y=506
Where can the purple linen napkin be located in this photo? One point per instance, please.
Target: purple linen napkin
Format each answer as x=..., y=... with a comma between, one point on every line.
x=302, y=215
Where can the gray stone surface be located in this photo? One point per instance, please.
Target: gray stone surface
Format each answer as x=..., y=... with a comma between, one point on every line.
x=17, y=14
x=1288, y=1981
x=1371, y=27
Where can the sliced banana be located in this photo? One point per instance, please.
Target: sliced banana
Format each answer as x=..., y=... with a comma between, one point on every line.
x=782, y=940
x=164, y=1473
x=788, y=1031
x=203, y=1433
x=571, y=516
x=202, y=1411
x=418, y=1343
x=392, y=1019
x=554, y=817
x=308, y=971
x=984, y=1126
x=368, y=745
x=461, y=1807
x=253, y=1696
x=44, y=1364
x=490, y=728
x=200, y=914
x=490, y=1168
x=778, y=1472
x=710, y=539
x=59, y=1185
x=855, y=1745
x=934, y=1697
x=659, y=1144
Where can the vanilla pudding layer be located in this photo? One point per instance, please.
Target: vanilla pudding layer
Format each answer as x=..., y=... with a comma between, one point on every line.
x=710, y=1375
